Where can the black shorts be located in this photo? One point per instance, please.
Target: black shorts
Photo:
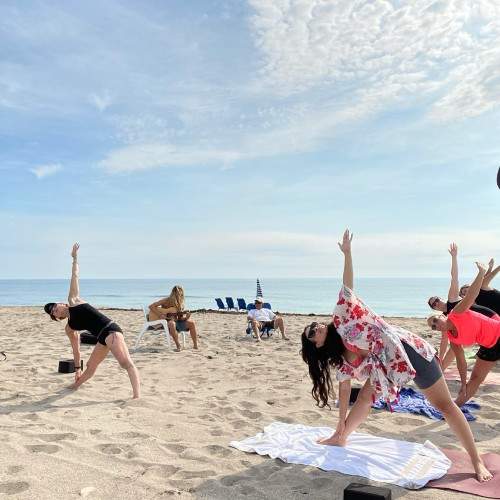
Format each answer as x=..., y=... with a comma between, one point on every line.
x=267, y=324
x=113, y=327
x=428, y=372
x=181, y=325
x=489, y=353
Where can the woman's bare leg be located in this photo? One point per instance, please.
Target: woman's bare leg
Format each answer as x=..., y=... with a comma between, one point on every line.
x=173, y=333
x=439, y=396
x=116, y=343
x=192, y=331
x=96, y=358
x=479, y=373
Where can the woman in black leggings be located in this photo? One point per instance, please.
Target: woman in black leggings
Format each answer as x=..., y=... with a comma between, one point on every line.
x=82, y=316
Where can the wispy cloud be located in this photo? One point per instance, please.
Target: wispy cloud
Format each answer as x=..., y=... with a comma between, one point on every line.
x=43, y=171
x=100, y=101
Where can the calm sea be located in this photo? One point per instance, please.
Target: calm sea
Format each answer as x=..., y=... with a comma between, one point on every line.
x=387, y=296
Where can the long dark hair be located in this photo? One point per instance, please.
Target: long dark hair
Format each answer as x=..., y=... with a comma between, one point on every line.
x=319, y=360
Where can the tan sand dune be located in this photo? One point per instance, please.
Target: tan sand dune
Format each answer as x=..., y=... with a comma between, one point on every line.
x=97, y=443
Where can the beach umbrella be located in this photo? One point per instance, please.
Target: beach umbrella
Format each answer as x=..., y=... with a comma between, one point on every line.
x=259, y=290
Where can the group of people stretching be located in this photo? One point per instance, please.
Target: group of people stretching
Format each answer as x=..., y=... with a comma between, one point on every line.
x=357, y=344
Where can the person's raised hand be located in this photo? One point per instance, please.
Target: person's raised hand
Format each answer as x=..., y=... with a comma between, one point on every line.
x=453, y=250
x=481, y=267
x=345, y=246
x=74, y=250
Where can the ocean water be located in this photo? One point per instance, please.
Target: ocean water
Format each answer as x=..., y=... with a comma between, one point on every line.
x=387, y=296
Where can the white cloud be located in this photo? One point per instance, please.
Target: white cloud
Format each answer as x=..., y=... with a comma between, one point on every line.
x=101, y=102
x=43, y=171
x=383, y=51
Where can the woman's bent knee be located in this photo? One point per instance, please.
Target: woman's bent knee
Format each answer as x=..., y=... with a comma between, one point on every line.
x=127, y=364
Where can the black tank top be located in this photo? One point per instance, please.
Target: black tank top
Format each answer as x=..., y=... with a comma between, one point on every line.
x=86, y=317
x=485, y=311
x=489, y=298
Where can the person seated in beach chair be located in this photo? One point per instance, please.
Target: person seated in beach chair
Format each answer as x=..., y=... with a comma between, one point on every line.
x=260, y=318
x=178, y=319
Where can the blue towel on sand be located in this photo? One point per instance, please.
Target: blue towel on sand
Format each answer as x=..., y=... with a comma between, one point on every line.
x=411, y=401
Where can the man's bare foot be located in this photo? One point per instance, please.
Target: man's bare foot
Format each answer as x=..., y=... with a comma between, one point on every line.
x=482, y=473
x=285, y=337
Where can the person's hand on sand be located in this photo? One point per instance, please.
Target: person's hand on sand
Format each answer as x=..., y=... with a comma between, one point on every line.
x=345, y=246
x=453, y=250
x=78, y=374
x=462, y=396
x=74, y=250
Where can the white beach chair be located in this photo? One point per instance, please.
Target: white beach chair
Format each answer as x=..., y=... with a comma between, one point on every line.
x=162, y=322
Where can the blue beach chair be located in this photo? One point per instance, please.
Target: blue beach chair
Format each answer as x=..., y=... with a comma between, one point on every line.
x=230, y=303
x=241, y=304
x=220, y=304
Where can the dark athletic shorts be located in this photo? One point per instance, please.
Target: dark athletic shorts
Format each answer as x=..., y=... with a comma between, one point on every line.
x=428, y=372
x=267, y=324
x=113, y=327
x=489, y=353
x=181, y=326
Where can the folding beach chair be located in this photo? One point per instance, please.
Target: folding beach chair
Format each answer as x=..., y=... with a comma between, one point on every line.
x=230, y=303
x=220, y=304
x=267, y=330
x=241, y=304
x=149, y=327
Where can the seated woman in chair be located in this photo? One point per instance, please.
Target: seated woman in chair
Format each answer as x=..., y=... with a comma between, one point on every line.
x=171, y=308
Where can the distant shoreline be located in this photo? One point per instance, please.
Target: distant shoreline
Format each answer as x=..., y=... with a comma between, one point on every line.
x=215, y=311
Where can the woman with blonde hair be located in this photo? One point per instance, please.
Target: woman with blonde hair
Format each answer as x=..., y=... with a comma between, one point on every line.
x=172, y=308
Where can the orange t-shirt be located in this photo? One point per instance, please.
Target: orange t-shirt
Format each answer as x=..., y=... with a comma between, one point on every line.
x=474, y=328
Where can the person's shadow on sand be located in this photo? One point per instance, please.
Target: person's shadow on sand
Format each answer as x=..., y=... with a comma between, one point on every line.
x=47, y=403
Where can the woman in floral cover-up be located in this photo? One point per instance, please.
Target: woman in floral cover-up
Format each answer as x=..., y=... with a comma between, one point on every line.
x=361, y=345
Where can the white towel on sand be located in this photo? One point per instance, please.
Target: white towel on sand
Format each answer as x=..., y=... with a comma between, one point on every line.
x=410, y=465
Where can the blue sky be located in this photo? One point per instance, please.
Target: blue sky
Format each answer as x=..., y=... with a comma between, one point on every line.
x=236, y=139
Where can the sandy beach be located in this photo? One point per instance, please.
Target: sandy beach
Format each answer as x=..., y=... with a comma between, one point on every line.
x=97, y=443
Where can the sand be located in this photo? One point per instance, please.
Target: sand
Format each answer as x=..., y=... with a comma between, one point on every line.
x=97, y=443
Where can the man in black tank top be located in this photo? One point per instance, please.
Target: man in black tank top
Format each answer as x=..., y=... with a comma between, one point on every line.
x=82, y=316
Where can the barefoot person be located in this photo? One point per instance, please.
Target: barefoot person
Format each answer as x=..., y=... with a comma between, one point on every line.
x=82, y=316
x=436, y=303
x=466, y=327
x=361, y=345
x=171, y=308
x=261, y=317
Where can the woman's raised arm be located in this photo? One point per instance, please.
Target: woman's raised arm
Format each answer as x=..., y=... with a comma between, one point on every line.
x=345, y=248
x=453, y=295
x=473, y=291
x=490, y=274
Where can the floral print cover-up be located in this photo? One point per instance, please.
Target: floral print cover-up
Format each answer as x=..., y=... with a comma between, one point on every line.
x=387, y=365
